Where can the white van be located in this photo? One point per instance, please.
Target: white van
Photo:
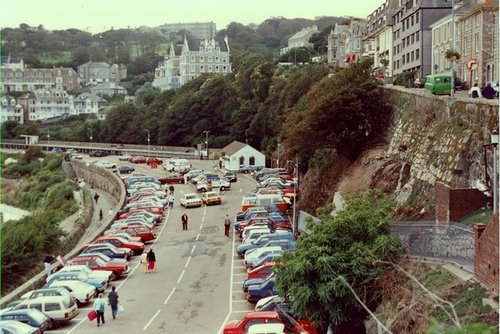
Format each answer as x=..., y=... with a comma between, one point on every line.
x=176, y=165
x=267, y=329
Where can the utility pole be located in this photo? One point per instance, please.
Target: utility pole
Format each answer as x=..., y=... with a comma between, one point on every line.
x=149, y=141
x=296, y=176
x=206, y=132
x=278, y=160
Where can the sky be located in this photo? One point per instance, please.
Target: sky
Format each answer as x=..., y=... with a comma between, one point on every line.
x=101, y=15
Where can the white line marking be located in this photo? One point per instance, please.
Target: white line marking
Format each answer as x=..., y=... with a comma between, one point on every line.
x=187, y=262
x=180, y=277
x=245, y=274
x=197, y=237
x=238, y=282
x=150, y=321
x=169, y=295
x=230, y=291
x=192, y=249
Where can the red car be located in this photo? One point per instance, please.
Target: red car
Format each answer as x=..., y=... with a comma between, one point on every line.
x=266, y=317
x=146, y=234
x=137, y=159
x=95, y=263
x=261, y=271
x=136, y=247
x=152, y=160
x=172, y=178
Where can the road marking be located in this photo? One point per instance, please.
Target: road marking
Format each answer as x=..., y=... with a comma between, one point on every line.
x=221, y=328
x=169, y=295
x=240, y=301
x=162, y=228
x=187, y=263
x=197, y=237
x=238, y=282
x=180, y=277
x=150, y=321
x=192, y=249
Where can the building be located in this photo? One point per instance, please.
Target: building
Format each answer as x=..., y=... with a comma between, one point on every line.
x=336, y=45
x=12, y=63
x=108, y=88
x=11, y=110
x=99, y=72
x=354, y=41
x=46, y=103
x=191, y=59
x=477, y=32
x=238, y=154
x=31, y=79
x=87, y=103
x=199, y=30
x=300, y=39
x=412, y=35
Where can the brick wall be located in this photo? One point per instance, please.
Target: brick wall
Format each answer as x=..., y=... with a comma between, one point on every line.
x=486, y=253
x=454, y=204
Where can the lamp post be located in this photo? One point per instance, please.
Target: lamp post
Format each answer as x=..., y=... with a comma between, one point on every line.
x=149, y=142
x=206, y=132
x=48, y=139
x=278, y=160
x=494, y=143
x=91, y=138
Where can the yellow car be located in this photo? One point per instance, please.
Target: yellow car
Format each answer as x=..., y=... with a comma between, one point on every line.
x=211, y=197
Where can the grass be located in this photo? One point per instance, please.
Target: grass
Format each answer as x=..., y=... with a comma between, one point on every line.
x=482, y=216
x=63, y=57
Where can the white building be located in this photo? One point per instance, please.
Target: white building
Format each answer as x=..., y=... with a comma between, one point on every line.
x=300, y=39
x=11, y=110
x=238, y=154
x=87, y=103
x=44, y=103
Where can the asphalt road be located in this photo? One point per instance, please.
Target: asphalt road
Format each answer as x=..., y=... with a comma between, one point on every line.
x=197, y=284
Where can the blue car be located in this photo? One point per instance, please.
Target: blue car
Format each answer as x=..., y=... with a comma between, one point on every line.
x=29, y=316
x=99, y=284
x=256, y=281
x=268, y=258
x=245, y=215
x=266, y=289
x=285, y=240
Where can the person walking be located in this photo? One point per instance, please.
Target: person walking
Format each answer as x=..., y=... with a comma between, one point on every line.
x=96, y=197
x=227, y=225
x=113, y=301
x=488, y=92
x=48, y=269
x=99, y=306
x=151, y=258
x=475, y=92
x=171, y=190
x=171, y=200
x=144, y=261
x=184, y=220
x=100, y=214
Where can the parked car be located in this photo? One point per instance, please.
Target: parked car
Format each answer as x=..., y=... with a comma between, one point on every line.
x=124, y=157
x=31, y=317
x=210, y=184
x=260, y=271
x=270, y=328
x=419, y=83
x=265, y=289
x=264, y=221
x=211, y=197
x=245, y=215
x=268, y=258
x=100, y=276
x=131, y=210
x=264, y=317
x=17, y=327
x=105, y=164
x=146, y=234
x=137, y=159
x=171, y=178
x=247, y=169
x=123, y=235
x=82, y=291
x=231, y=176
x=136, y=247
x=56, y=150
x=273, y=303
x=119, y=269
x=190, y=200
x=193, y=173
x=103, y=257
x=60, y=309
x=264, y=240
x=109, y=250
x=98, y=153
x=54, y=291
x=153, y=160
x=256, y=281
x=125, y=169
x=99, y=285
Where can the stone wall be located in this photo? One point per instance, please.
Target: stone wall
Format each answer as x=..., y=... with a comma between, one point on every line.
x=441, y=139
x=486, y=260
x=447, y=242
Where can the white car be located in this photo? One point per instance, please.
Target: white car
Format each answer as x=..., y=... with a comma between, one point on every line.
x=60, y=309
x=82, y=291
x=220, y=184
x=52, y=291
x=97, y=274
x=190, y=200
x=252, y=258
x=105, y=164
x=124, y=157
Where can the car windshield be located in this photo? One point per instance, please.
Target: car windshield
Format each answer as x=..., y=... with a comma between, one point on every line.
x=190, y=196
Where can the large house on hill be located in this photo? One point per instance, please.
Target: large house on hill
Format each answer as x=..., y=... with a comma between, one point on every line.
x=191, y=59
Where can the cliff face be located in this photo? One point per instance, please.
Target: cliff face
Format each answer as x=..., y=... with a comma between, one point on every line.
x=430, y=139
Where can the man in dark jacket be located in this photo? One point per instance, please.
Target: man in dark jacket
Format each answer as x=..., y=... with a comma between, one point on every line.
x=488, y=92
x=113, y=301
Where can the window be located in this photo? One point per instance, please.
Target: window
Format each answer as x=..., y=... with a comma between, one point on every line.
x=251, y=161
x=37, y=306
x=417, y=54
x=52, y=307
x=412, y=23
x=416, y=17
x=404, y=40
x=242, y=160
x=476, y=42
x=403, y=59
x=209, y=59
x=210, y=69
x=412, y=38
x=202, y=59
x=417, y=37
x=413, y=56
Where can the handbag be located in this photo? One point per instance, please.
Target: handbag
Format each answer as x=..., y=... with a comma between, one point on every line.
x=121, y=309
x=92, y=315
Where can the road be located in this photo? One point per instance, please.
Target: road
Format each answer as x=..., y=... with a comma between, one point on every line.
x=197, y=284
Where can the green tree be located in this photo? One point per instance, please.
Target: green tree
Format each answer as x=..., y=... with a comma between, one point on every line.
x=338, y=254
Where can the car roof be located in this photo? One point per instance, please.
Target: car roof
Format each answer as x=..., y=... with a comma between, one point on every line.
x=262, y=314
x=44, y=299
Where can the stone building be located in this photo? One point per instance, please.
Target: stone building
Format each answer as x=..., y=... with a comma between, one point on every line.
x=191, y=59
x=199, y=30
x=99, y=72
x=30, y=79
x=45, y=103
x=300, y=39
x=108, y=88
x=336, y=45
x=354, y=41
x=87, y=103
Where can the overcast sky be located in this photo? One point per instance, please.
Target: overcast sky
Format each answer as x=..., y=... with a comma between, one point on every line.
x=100, y=15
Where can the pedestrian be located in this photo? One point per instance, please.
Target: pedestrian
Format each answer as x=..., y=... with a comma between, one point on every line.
x=99, y=306
x=48, y=269
x=171, y=190
x=96, y=197
x=144, y=261
x=488, y=92
x=100, y=214
x=184, y=220
x=113, y=301
x=171, y=200
x=151, y=258
x=475, y=92
x=227, y=225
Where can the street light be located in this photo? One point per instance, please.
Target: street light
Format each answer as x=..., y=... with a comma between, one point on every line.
x=206, y=132
x=48, y=138
x=149, y=141
x=91, y=138
x=494, y=143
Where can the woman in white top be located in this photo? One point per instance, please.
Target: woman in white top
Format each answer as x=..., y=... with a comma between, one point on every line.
x=475, y=91
x=144, y=261
x=99, y=307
